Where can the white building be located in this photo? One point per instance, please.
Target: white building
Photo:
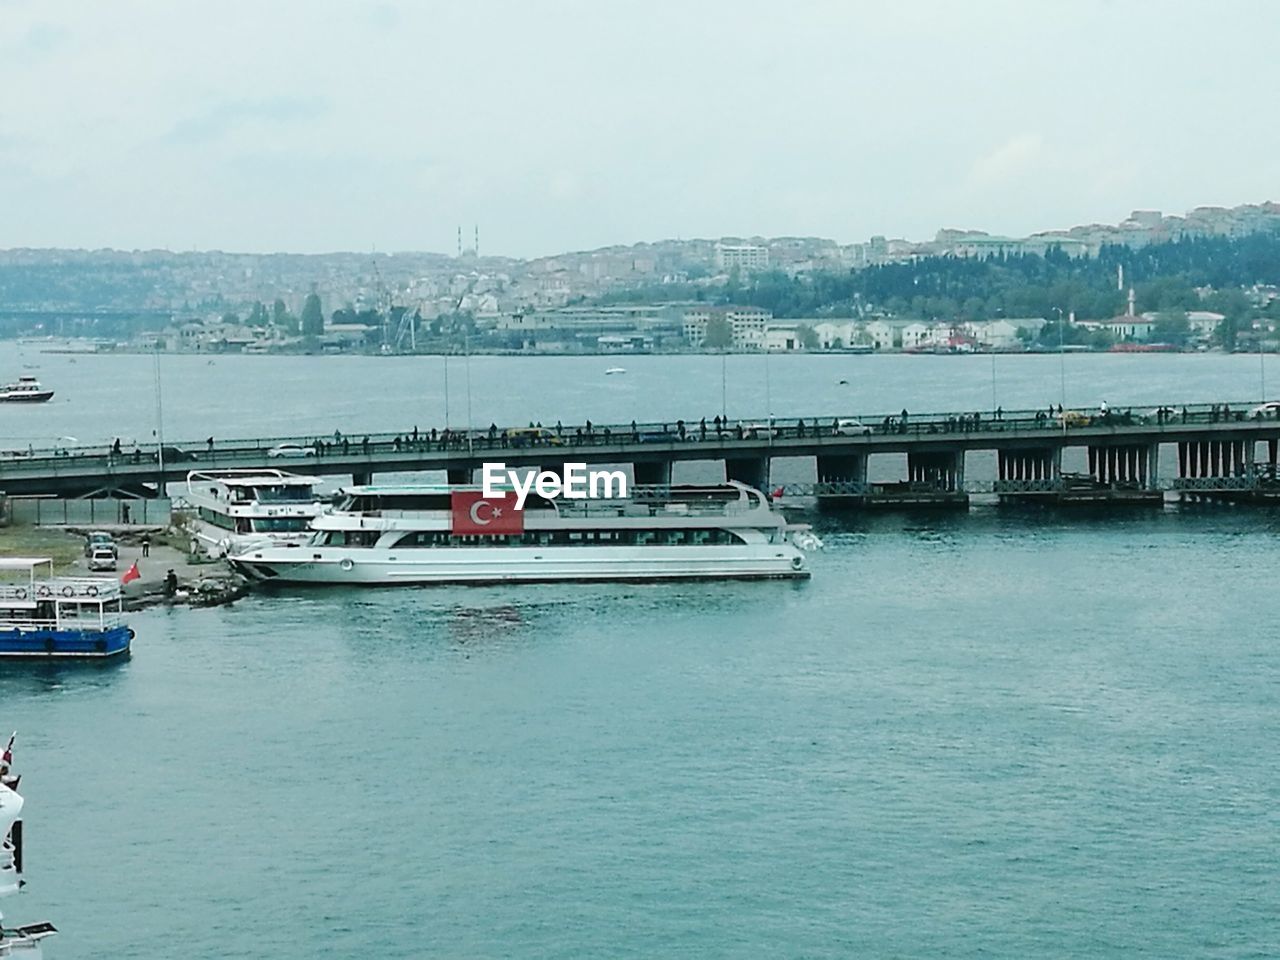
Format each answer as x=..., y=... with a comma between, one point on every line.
x=747, y=323
x=745, y=256
x=783, y=337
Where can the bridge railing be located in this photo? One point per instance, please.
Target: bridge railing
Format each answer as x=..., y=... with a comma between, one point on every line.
x=229, y=451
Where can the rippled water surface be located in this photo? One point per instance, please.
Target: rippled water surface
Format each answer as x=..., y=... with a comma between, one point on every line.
x=1004, y=734
x=969, y=737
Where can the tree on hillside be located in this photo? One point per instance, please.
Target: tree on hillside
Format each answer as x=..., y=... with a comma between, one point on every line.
x=719, y=334
x=1171, y=327
x=312, y=316
x=258, y=315
x=282, y=319
x=809, y=338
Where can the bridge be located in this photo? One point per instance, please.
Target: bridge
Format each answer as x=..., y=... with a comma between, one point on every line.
x=1213, y=451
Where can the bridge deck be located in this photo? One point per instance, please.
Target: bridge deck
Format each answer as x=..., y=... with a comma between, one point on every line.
x=79, y=470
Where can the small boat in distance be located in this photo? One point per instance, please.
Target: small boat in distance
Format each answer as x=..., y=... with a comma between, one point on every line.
x=612, y=370
x=26, y=390
x=46, y=617
x=19, y=942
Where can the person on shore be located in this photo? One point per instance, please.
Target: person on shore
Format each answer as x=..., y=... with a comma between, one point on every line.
x=170, y=583
x=124, y=513
x=146, y=545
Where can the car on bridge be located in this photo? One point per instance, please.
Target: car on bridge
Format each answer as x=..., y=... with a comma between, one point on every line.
x=533, y=437
x=175, y=455
x=291, y=450
x=849, y=427
x=1264, y=410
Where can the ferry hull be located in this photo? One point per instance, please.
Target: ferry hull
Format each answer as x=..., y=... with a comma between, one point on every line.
x=522, y=565
x=65, y=644
x=29, y=397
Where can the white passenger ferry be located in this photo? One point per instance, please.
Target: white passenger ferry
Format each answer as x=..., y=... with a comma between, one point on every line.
x=234, y=509
x=442, y=534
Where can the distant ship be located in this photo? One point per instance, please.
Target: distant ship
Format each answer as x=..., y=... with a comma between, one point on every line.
x=613, y=370
x=26, y=390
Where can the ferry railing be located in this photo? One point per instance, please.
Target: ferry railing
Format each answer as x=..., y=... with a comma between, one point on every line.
x=79, y=589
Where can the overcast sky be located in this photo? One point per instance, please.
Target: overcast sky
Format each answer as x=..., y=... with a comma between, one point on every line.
x=308, y=126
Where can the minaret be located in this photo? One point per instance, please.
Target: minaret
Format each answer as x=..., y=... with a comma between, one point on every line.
x=1131, y=299
x=1120, y=276
x=477, y=247
x=459, y=241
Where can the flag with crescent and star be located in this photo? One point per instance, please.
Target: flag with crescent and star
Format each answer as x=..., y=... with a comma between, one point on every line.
x=474, y=514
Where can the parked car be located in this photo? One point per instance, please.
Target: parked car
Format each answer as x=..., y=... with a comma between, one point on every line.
x=102, y=558
x=849, y=427
x=1074, y=418
x=761, y=431
x=100, y=540
x=532, y=437
x=1264, y=410
x=291, y=450
x=174, y=455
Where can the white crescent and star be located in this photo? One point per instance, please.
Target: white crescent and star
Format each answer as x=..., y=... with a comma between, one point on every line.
x=494, y=513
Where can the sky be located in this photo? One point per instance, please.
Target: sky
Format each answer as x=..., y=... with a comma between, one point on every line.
x=554, y=125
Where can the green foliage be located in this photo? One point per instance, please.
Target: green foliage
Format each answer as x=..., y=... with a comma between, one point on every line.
x=809, y=338
x=282, y=319
x=312, y=316
x=1171, y=327
x=719, y=335
x=258, y=315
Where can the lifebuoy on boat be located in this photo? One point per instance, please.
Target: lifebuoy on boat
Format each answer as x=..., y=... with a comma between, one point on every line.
x=91, y=591
x=346, y=564
x=68, y=591
x=20, y=593
x=797, y=563
x=43, y=590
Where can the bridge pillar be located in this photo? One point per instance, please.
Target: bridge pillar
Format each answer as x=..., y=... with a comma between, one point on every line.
x=1025, y=473
x=1118, y=474
x=943, y=470
x=652, y=473
x=753, y=471
x=1221, y=470
x=851, y=468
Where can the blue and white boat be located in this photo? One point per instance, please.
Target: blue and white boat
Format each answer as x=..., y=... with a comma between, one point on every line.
x=20, y=943
x=43, y=616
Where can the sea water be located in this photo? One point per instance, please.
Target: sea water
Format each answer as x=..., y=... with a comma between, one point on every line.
x=1001, y=734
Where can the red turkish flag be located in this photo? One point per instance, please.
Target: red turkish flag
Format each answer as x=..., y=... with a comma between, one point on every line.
x=131, y=574
x=476, y=514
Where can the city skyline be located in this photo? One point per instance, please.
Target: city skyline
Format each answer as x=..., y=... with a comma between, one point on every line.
x=386, y=126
